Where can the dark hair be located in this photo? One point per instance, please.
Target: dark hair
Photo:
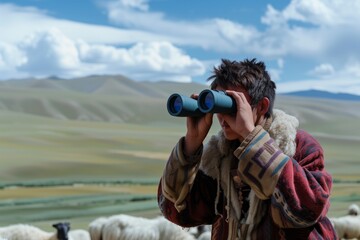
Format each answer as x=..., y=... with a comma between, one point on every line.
x=248, y=74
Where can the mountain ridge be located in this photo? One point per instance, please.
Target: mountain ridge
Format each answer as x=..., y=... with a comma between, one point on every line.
x=313, y=93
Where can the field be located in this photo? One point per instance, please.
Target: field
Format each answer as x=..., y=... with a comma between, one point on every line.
x=53, y=169
x=78, y=168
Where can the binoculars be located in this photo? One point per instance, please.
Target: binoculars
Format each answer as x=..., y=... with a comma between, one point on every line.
x=209, y=101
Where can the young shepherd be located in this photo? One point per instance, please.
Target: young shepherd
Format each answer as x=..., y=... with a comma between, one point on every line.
x=28, y=232
x=126, y=227
x=347, y=227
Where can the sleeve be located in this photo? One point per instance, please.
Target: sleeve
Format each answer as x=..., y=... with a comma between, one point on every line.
x=299, y=187
x=184, y=195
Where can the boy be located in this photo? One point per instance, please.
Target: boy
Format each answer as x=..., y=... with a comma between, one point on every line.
x=259, y=178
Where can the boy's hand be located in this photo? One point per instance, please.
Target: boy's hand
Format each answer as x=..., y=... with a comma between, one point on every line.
x=243, y=122
x=197, y=130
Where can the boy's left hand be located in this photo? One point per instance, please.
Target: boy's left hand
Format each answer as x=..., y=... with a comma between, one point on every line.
x=243, y=122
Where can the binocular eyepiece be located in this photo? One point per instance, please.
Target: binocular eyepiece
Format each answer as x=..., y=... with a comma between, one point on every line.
x=209, y=101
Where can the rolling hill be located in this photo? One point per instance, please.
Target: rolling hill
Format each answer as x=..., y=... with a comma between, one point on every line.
x=122, y=100
x=94, y=98
x=119, y=102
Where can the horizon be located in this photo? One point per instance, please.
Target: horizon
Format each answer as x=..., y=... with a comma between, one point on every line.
x=304, y=46
x=56, y=78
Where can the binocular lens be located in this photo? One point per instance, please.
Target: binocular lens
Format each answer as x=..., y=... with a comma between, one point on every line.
x=177, y=105
x=207, y=102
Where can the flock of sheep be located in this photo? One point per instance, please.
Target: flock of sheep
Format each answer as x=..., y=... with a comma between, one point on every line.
x=117, y=227
x=126, y=227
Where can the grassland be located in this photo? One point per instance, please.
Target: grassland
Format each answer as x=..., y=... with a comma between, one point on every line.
x=68, y=170
x=75, y=156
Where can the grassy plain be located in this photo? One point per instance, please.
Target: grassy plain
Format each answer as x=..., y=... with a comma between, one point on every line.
x=101, y=156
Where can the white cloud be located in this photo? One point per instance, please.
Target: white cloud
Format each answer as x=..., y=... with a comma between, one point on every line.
x=53, y=53
x=323, y=70
x=314, y=29
x=317, y=12
x=144, y=61
x=10, y=58
x=139, y=4
x=216, y=34
x=17, y=27
x=49, y=53
x=352, y=68
x=276, y=72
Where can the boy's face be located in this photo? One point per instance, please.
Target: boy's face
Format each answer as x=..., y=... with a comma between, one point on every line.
x=228, y=132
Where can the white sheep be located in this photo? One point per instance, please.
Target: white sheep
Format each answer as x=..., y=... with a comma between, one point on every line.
x=79, y=234
x=353, y=209
x=199, y=230
x=126, y=227
x=347, y=227
x=96, y=228
x=28, y=232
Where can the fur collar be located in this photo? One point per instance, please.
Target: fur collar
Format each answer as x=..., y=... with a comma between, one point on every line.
x=218, y=155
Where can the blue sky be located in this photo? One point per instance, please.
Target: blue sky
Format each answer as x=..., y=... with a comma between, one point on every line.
x=306, y=44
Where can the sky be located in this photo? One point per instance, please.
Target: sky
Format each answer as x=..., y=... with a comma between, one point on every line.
x=305, y=44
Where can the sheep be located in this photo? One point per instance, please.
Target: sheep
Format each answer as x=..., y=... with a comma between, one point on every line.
x=79, y=234
x=28, y=232
x=353, y=209
x=169, y=230
x=96, y=228
x=347, y=227
x=126, y=227
x=199, y=230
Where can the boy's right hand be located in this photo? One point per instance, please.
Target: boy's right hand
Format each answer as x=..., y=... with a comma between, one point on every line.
x=197, y=130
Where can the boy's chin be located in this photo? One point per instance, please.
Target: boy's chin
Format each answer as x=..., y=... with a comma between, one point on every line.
x=230, y=137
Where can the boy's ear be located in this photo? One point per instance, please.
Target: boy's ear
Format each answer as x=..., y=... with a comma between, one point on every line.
x=263, y=106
